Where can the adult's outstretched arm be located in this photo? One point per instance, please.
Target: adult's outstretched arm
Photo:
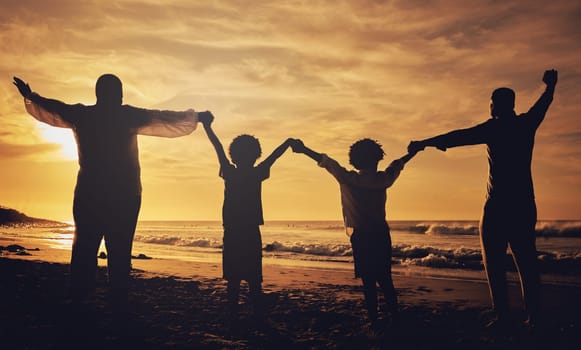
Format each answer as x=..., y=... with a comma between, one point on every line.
x=50, y=111
x=461, y=137
x=164, y=123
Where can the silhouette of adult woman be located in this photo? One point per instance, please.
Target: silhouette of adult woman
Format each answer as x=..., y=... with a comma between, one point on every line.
x=108, y=191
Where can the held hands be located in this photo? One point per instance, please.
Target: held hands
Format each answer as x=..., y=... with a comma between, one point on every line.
x=206, y=118
x=550, y=77
x=290, y=142
x=23, y=87
x=297, y=146
x=416, y=146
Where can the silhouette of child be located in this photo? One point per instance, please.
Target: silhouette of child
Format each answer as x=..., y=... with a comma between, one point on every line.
x=242, y=212
x=363, y=198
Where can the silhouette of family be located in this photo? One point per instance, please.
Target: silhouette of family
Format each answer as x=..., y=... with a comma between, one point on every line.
x=107, y=195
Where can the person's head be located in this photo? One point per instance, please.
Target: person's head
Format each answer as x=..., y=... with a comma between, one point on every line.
x=245, y=150
x=502, y=102
x=365, y=154
x=109, y=90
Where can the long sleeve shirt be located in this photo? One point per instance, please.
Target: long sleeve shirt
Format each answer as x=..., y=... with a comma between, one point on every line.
x=363, y=194
x=107, y=139
x=510, y=143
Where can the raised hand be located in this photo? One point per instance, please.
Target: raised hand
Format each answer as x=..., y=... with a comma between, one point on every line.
x=290, y=142
x=297, y=146
x=206, y=117
x=550, y=77
x=23, y=87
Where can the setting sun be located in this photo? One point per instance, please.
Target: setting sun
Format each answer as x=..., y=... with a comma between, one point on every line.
x=62, y=137
x=386, y=71
x=267, y=174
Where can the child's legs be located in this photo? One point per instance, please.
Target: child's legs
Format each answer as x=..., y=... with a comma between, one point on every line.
x=389, y=293
x=370, y=294
x=372, y=257
x=386, y=282
x=255, y=290
x=233, y=292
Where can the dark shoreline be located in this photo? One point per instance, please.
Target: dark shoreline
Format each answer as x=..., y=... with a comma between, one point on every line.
x=173, y=313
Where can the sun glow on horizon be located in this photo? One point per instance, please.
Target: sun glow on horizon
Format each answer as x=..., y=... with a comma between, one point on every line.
x=329, y=73
x=62, y=137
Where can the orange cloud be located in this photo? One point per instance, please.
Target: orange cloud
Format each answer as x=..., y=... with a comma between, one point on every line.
x=330, y=72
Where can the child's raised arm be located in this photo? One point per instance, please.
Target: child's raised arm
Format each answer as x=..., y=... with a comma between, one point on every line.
x=407, y=157
x=269, y=161
x=394, y=169
x=206, y=118
x=299, y=147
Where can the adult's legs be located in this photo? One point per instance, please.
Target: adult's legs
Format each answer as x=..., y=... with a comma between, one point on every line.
x=123, y=213
x=524, y=251
x=494, y=245
x=86, y=241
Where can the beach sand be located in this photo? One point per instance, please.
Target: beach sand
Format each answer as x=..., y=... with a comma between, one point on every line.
x=181, y=306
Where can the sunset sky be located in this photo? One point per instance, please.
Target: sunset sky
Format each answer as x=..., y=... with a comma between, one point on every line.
x=328, y=72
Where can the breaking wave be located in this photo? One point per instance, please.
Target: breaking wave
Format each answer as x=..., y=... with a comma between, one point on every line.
x=544, y=228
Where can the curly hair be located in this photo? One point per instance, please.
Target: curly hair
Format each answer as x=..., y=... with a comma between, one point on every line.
x=365, y=153
x=245, y=148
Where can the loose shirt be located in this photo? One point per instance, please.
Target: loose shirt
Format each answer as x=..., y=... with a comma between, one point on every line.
x=510, y=143
x=107, y=139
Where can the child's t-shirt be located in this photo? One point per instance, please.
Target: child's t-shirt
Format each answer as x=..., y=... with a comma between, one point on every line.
x=363, y=196
x=243, y=195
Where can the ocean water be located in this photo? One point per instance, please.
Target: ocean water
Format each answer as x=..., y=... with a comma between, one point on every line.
x=448, y=249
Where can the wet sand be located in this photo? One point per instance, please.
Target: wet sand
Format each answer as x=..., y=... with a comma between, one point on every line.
x=305, y=309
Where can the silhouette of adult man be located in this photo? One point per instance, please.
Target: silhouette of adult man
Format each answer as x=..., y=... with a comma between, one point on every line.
x=108, y=191
x=510, y=213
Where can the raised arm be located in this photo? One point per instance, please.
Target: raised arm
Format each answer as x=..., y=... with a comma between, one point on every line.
x=206, y=118
x=394, y=169
x=269, y=161
x=341, y=174
x=539, y=109
x=52, y=112
x=407, y=157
